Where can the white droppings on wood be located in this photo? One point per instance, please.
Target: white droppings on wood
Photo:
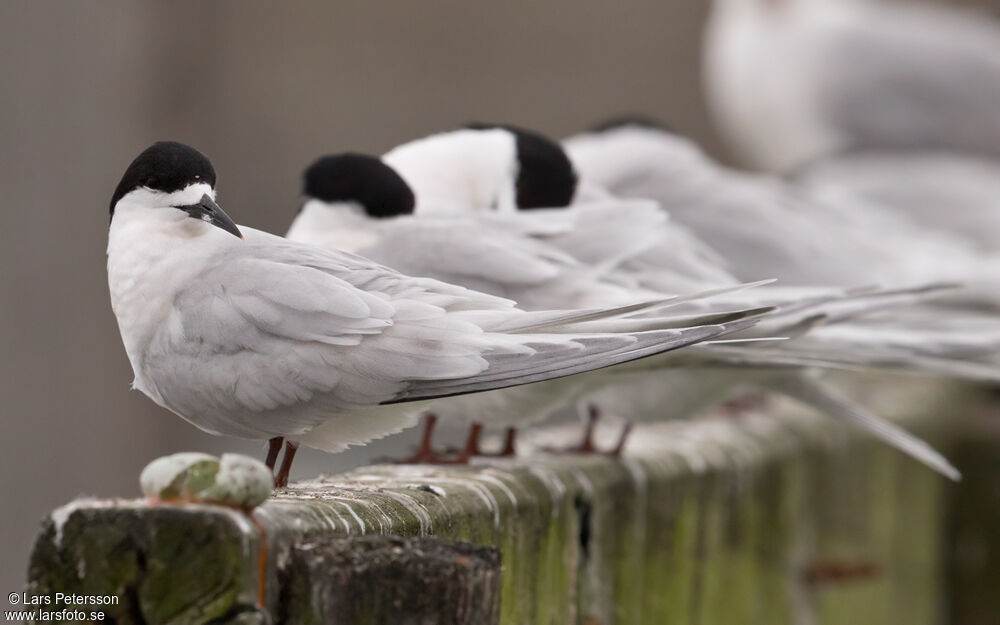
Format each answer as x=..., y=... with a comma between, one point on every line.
x=248, y=531
x=324, y=514
x=62, y=514
x=437, y=490
x=415, y=507
x=381, y=515
x=499, y=483
x=550, y=480
x=350, y=509
x=430, y=484
x=347, y=526
x=482, y=492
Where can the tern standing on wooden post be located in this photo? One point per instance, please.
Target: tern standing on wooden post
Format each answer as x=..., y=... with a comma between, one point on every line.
x=243, y=333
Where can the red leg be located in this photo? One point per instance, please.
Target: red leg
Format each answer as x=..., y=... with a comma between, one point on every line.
x=273, y=447
x=281, y=479
x=620, y=447
x=509, y=450
x=425, y=454
x=587, y=444
x=471, y=445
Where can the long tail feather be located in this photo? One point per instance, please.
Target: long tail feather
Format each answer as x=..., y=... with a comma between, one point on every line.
x=814, y=393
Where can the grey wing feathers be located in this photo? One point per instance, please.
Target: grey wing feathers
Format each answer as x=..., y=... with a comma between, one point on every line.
x=555, y=356
x=281, y=336
x=852, y=331
x=487, y=255
x=821, y=356
x=458, y=250
x=607, y=232
x=619, y=318
x=277, y=337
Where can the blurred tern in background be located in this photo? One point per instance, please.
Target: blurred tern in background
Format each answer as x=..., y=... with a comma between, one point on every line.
x=894, y=103
x=484, y=168
x=946, y=192
x=602, y=231
x=247, y=334
x=795, y=81
x=357, y=203
x=319, y=223
x=764, y=226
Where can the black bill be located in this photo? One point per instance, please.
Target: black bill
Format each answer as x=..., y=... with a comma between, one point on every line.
x=207, y=210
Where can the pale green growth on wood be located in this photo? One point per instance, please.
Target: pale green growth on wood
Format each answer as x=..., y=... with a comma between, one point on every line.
x=713, y=521
x=233, y=479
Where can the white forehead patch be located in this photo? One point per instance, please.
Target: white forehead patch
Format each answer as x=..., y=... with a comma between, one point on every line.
x=191, y=194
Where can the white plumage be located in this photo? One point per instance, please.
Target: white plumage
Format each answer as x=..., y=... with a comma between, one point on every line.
x=764, y=226
x=262, y=337
x=794, y=81
x=459, y=170
x=943, y=191
x=508, y=254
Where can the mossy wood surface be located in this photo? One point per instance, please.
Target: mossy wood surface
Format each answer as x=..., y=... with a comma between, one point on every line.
x=777, y=518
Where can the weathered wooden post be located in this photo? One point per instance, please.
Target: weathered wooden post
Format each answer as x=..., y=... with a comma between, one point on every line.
x=386, y=579
x=973, y=549
x=782, y=517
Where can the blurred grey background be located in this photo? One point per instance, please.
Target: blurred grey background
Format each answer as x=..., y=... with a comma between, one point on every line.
x=262, y=88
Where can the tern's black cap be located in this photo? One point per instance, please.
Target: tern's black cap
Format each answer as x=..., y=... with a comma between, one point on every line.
x=360, y=178
x=165, y=166
x=546, y=177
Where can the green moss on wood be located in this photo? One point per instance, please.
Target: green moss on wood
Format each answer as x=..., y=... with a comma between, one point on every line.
x=166, y=565
x=714, y=522
x=973, y=530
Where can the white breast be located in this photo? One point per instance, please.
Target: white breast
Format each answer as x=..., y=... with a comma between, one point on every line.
x=152, y=255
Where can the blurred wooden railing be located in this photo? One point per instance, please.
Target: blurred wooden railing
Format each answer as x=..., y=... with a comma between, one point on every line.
x=777, y=518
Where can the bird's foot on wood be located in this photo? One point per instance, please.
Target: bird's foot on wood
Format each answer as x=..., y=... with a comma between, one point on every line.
x=425, y=453
x=471, y=448
x=509, y=449
x=586, y=444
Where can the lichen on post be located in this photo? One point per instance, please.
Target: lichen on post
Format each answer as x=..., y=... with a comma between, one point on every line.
x=783, y=517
